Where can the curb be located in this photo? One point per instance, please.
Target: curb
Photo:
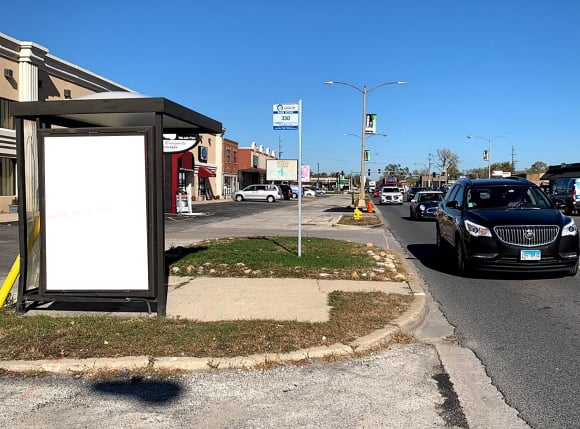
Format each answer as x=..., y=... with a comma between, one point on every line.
x=405, y=323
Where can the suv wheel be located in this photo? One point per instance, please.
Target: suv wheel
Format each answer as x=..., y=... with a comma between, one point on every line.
x=574, y=270
x=239, y=198
x=461, y=263
x=270, y=199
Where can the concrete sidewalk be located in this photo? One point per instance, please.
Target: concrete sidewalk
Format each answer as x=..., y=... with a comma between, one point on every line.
x=305, y=300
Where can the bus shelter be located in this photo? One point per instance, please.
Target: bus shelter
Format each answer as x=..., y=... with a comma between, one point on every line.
x=91, y=197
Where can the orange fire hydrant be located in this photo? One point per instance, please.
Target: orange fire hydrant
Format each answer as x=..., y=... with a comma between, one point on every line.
x=370, y=207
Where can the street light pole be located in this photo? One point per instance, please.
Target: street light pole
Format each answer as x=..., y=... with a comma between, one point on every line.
x=489, y=140
x=364, y=91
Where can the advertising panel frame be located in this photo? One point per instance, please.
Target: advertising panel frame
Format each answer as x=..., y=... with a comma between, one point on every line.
x=282, y=170
x=87, y=222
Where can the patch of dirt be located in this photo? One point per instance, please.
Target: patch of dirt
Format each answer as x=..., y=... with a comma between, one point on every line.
x=366, y=220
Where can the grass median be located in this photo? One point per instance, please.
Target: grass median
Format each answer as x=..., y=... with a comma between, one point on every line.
x=353, y=314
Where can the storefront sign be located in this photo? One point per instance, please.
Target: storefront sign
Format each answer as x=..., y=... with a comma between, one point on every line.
x=173, y=143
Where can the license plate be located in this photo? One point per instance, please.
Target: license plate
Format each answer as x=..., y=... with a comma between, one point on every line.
x=530, y=255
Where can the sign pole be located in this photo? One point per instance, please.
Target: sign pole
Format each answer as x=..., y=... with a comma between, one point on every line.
x=289, y=117
x=300, y=178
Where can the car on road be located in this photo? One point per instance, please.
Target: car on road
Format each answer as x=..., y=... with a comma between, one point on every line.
x=391, y=195
x=424, y=205
x=413, y=190
x=566, y=194
x=505, y=225
x=260, y=192
x=377, y=193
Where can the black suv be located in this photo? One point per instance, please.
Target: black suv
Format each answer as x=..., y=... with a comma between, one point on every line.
x=566, y=195
x=286, y=191
x=505, y=225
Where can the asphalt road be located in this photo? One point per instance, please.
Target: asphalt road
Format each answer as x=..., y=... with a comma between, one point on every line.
x=525, y=330
x=8, y=247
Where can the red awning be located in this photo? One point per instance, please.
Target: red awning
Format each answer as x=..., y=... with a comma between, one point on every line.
x=205, y=172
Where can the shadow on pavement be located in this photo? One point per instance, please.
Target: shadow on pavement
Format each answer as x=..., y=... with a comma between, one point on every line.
x=147, y=391
x=347, y=209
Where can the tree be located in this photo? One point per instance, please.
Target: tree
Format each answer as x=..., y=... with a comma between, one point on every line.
x=538, y=167
x=477, y=173
x=501, y=166
x=396, y=170
x=448, y=162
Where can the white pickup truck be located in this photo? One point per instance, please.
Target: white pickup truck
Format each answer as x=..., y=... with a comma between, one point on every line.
x=391, y=195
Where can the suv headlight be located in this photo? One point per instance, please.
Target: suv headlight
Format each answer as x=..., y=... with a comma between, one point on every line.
x=477, y=230
x=570, y=229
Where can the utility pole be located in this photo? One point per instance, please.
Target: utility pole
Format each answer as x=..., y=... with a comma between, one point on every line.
x=429, y=171
x=279, y=147
x=513, y=161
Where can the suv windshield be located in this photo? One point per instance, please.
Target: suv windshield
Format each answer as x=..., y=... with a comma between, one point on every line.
x=510, y=197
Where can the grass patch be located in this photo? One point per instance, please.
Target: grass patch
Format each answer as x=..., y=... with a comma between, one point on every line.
x=353, y=314
x=277, y=257
x=366, y=220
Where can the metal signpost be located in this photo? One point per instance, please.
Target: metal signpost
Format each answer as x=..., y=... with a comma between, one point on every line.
x=289, y=117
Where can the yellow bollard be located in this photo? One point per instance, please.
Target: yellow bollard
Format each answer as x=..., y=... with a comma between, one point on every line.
x=9, y=281
x=357, y=215
x=15, y=270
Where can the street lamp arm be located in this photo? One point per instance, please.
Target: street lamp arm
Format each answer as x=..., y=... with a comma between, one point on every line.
x=331, y=82
x=487, y=139
x=367, y=134
x=398, y=82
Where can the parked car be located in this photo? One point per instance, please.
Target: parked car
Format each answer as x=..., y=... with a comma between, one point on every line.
x=566, y=195
x=505, y=225
x=320, y=191
x=286, y=191
x=391, y=195
x=308, y=192
x=262, y=192
x=295, y=190
x=424, y=204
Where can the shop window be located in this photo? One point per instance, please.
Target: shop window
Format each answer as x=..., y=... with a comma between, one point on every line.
x=6, y=120
x=7, y=176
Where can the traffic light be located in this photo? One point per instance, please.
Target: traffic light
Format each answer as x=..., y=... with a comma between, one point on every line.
x=379, y=171
x=369, y=171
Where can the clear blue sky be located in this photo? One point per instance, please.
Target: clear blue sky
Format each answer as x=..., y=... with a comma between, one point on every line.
x=481, y=67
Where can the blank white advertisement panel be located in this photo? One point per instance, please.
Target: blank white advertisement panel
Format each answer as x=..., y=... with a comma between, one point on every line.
x=95, y=213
